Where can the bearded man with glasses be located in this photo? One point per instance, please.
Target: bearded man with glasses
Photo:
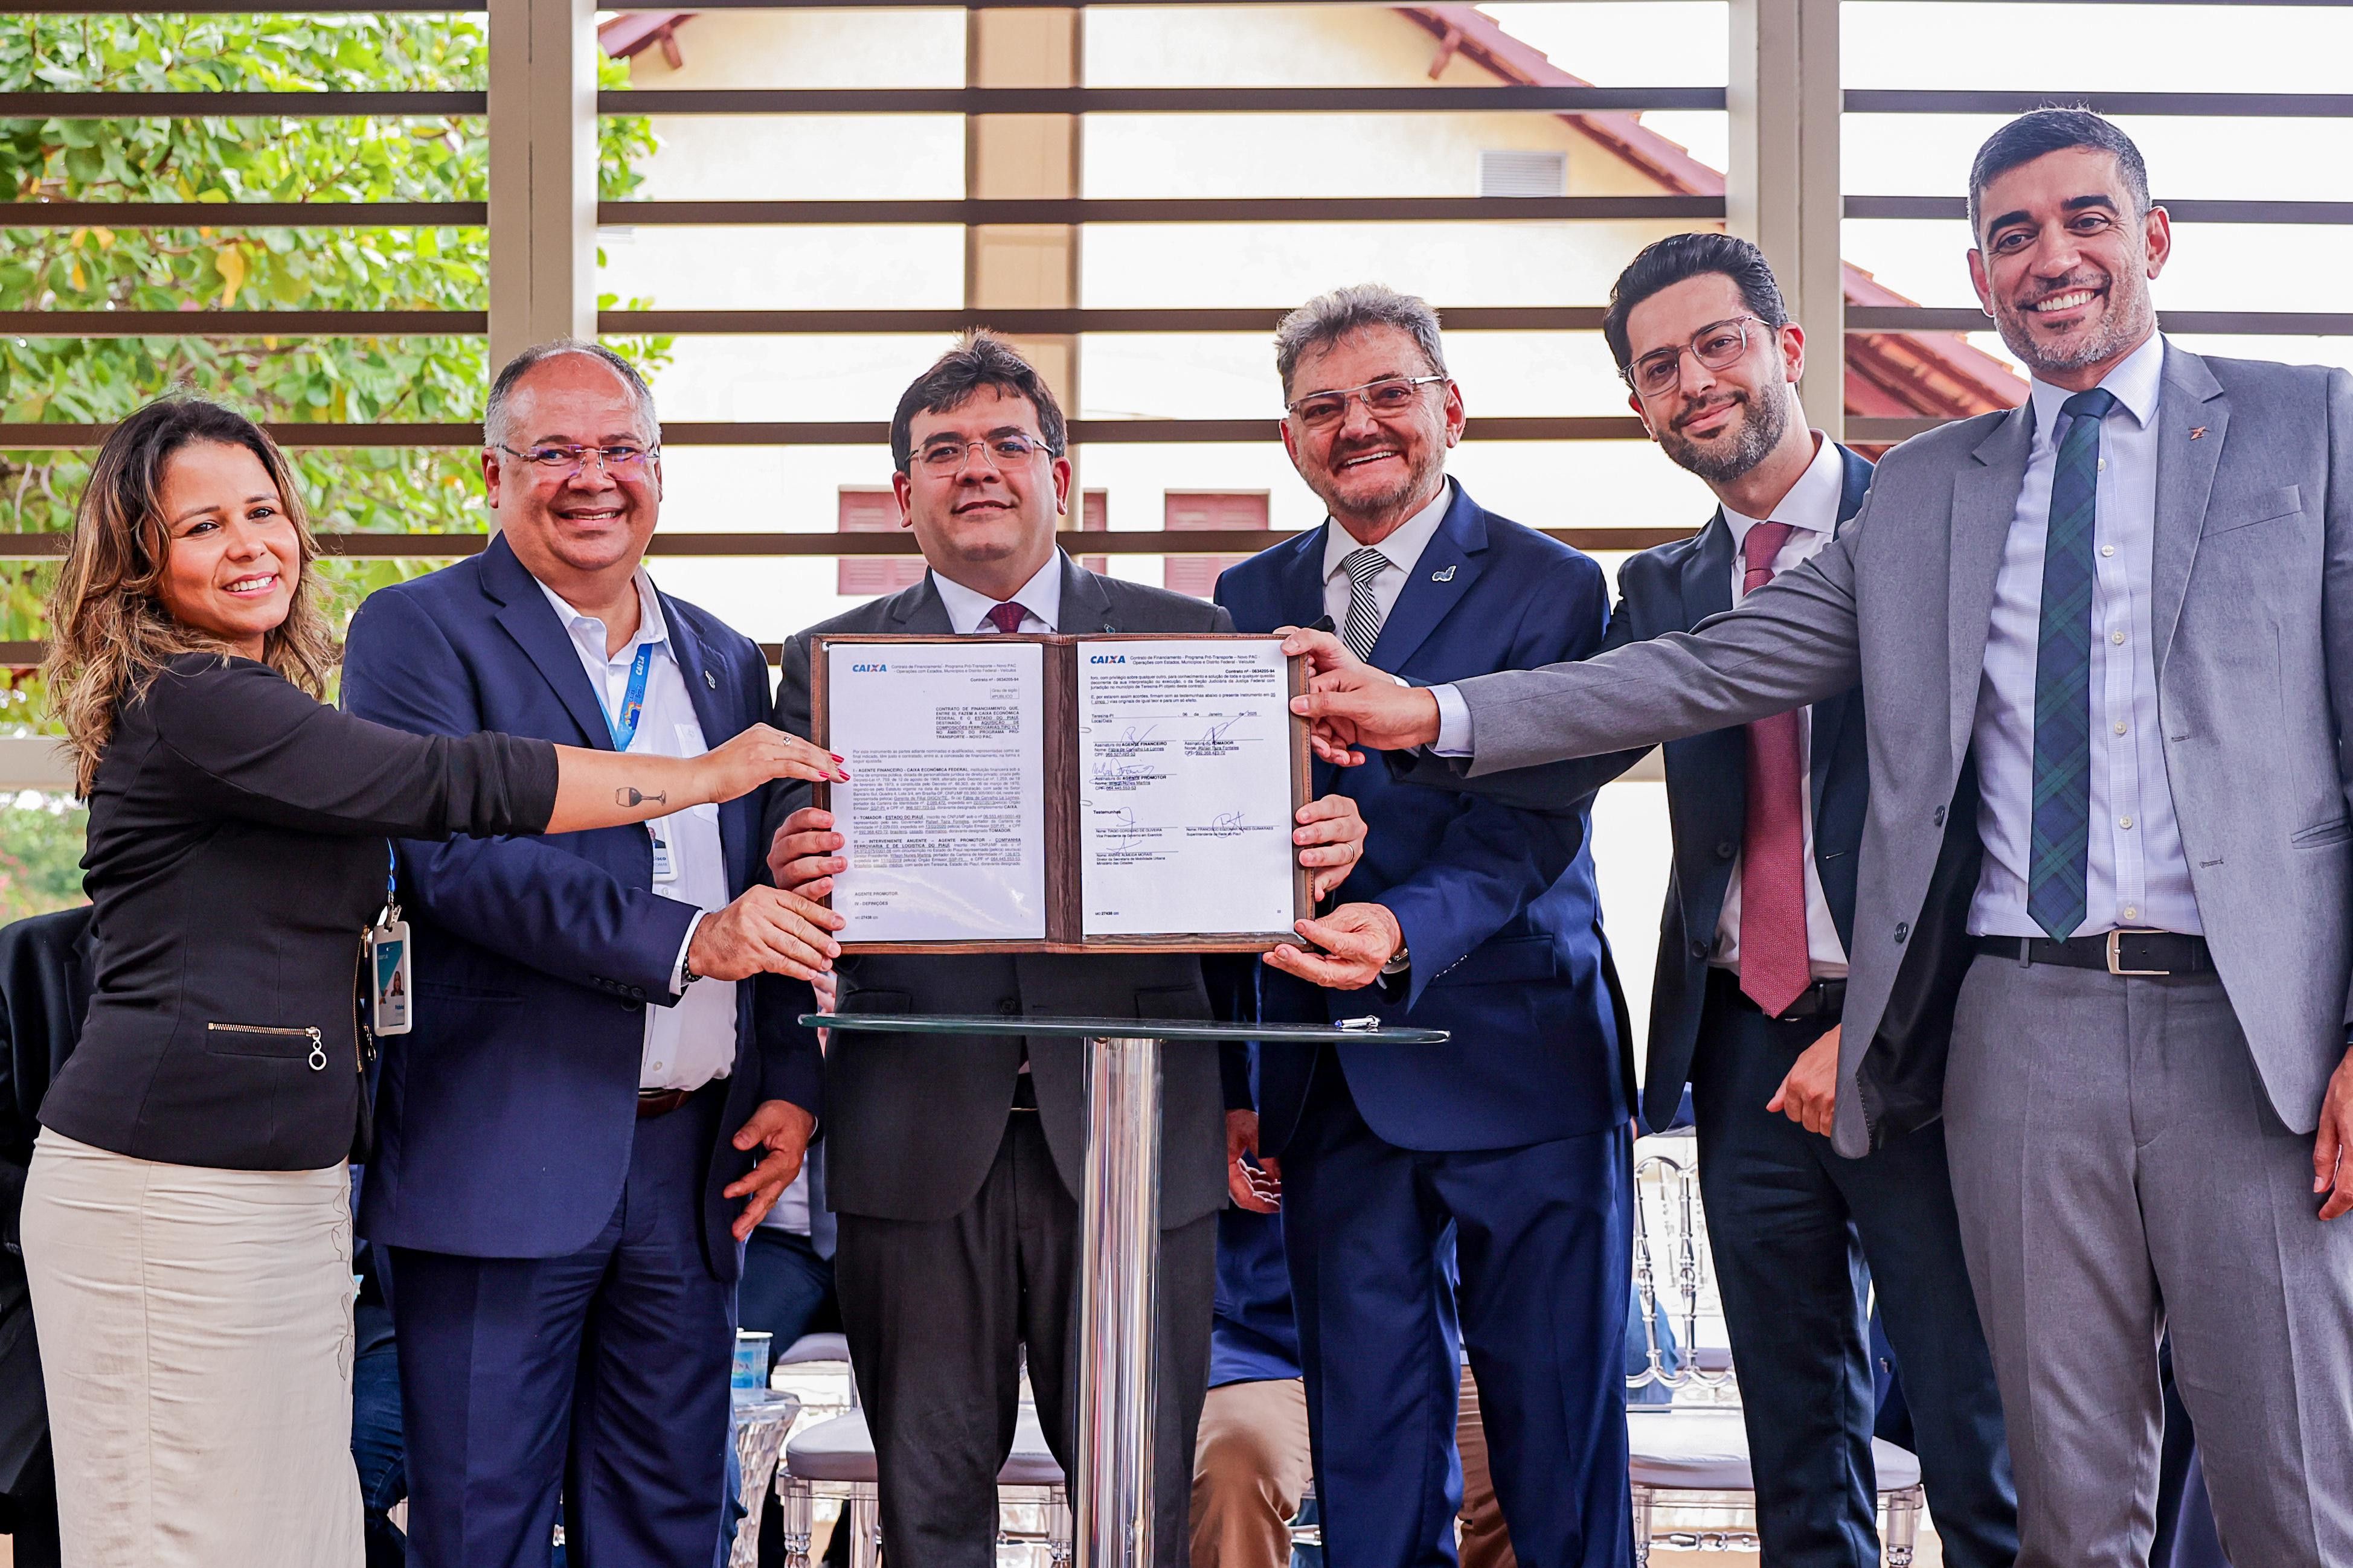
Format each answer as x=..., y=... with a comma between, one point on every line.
x=1507, y=1150
x=565, y=1141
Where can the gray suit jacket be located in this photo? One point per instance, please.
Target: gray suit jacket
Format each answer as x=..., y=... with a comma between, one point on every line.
x=2253, y=614
x=911, y=1122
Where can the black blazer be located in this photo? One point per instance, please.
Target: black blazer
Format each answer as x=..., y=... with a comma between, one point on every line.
x=1673, y=588
x=45, y=969
x=236, y=857
x=912, y=1123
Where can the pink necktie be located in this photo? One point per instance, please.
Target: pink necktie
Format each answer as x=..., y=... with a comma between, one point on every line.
x=1774, y=969
x=1007, y=617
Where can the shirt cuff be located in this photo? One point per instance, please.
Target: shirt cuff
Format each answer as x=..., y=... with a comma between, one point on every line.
x=1453, y=723
x=677, y=970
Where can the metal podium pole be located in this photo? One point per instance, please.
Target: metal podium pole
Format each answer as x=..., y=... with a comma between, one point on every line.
x=1119, y=1288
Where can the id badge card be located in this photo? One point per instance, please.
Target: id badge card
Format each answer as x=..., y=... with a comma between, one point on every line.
x=665, y=850
x=390, y=981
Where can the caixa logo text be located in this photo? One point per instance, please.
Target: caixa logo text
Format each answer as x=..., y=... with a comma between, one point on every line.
x=870, y=669
x=1107, y=659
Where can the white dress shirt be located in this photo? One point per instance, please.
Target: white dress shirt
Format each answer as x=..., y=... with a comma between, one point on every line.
x=2138, y=872
x=693, y=1042
x=1041, y=598
x=1401, y=551
x=1811, y=509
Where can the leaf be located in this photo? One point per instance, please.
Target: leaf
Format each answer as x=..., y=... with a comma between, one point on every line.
x=230, y=262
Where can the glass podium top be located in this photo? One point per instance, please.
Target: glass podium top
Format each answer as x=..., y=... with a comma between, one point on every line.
x=1367, y=1033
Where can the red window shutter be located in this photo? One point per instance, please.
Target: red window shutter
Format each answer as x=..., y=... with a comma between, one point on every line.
x=1207, y=509
x=867, y=576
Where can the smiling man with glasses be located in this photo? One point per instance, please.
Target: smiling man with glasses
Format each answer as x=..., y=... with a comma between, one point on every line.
x=1752, y=967
x=1506, y=1151
x=954, y=1165
x=566, y=1137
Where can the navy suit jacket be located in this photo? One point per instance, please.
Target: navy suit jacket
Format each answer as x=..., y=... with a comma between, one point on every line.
x=504, y=1118
x=1673, y=588
x=1497, y=903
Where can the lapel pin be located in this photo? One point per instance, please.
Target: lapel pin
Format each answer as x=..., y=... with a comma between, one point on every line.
x=1445, y=576
x=710, y=680
x=2196, y=431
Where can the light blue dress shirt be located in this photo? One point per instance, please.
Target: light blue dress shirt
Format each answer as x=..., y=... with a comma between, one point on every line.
x=2138, y=873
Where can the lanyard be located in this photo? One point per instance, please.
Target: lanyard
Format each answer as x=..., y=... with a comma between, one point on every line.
x=633, y=700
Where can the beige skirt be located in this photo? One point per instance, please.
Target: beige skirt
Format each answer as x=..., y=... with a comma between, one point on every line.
x=196, y=1339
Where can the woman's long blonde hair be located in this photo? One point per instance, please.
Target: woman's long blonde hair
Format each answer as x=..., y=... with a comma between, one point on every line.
x=110, y=632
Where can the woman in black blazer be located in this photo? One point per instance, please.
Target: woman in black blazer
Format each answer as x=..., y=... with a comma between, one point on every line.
x=187, y=1225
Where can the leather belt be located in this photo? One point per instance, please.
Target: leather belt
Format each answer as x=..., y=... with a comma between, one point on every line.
x=1822, y=999
x=652, y=1102
x=2123, y=951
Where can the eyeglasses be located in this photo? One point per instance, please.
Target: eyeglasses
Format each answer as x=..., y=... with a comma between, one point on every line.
x=622, y=460
x=1390, y=395
x=1719, y=345
x=945, y=455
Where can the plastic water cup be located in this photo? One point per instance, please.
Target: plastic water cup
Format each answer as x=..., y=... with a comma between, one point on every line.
x=751, y=1359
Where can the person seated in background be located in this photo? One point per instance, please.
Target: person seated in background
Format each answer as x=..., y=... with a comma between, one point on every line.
x=46, y=964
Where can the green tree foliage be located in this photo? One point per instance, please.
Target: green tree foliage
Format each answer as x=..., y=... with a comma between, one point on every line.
x=93, y=379
x=79, y=380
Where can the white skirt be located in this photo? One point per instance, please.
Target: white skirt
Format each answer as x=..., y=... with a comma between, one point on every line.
x=196, y=1332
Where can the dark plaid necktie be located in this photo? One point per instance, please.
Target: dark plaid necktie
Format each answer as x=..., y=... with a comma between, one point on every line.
x=1361, y=629
x=2057, y=876
x=1007, y=617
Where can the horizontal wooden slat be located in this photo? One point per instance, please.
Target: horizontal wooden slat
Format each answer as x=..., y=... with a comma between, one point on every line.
x=243, y=214
x=1154, y=99
x=243, y=323
x=1969, y=319
x=1042, y=323
x=1957, y=207
x=840, y=433
x=2231, y=105
x=1887, y=432
x=1170, y=209
x=447, y=545
x=235, y=105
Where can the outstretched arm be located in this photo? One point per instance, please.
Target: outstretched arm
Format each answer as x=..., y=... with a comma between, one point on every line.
x=1790, y=643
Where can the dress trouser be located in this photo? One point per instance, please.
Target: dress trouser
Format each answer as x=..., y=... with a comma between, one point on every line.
x=196, y=1342
x=2119, y=1170
x=1249, y=1473
x=601, y=1373
x=938, y=1312
x=1542, y=1236
x=1798, y=1235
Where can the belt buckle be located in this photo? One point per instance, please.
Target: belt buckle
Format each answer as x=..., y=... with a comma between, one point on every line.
x=2116, y=961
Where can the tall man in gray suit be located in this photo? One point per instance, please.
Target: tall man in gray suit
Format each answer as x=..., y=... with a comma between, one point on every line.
x=954, y=1164
x=2107, y=644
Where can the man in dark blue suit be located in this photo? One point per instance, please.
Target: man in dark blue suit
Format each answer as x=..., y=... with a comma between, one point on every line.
x=1767, y=819
x=564, y=1167
x=1510, y=1145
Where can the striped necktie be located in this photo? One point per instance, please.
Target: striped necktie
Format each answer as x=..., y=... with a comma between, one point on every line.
x=1362, y=627
x=2058, y=861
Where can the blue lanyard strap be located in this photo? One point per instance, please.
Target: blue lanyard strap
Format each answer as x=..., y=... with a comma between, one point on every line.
x=633, y=701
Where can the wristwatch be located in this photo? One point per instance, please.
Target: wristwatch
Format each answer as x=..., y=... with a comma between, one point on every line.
x=1397, y=965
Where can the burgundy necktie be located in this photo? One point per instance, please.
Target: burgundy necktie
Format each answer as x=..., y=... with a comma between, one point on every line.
x=1773, y=961
x=1007, y=617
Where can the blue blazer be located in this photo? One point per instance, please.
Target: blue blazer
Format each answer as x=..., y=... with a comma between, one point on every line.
x=1497, y=904
x=1673, y=588
x=504, y=1118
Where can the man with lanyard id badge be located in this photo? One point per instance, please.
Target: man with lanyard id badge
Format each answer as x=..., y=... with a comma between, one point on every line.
x=582, y=1122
